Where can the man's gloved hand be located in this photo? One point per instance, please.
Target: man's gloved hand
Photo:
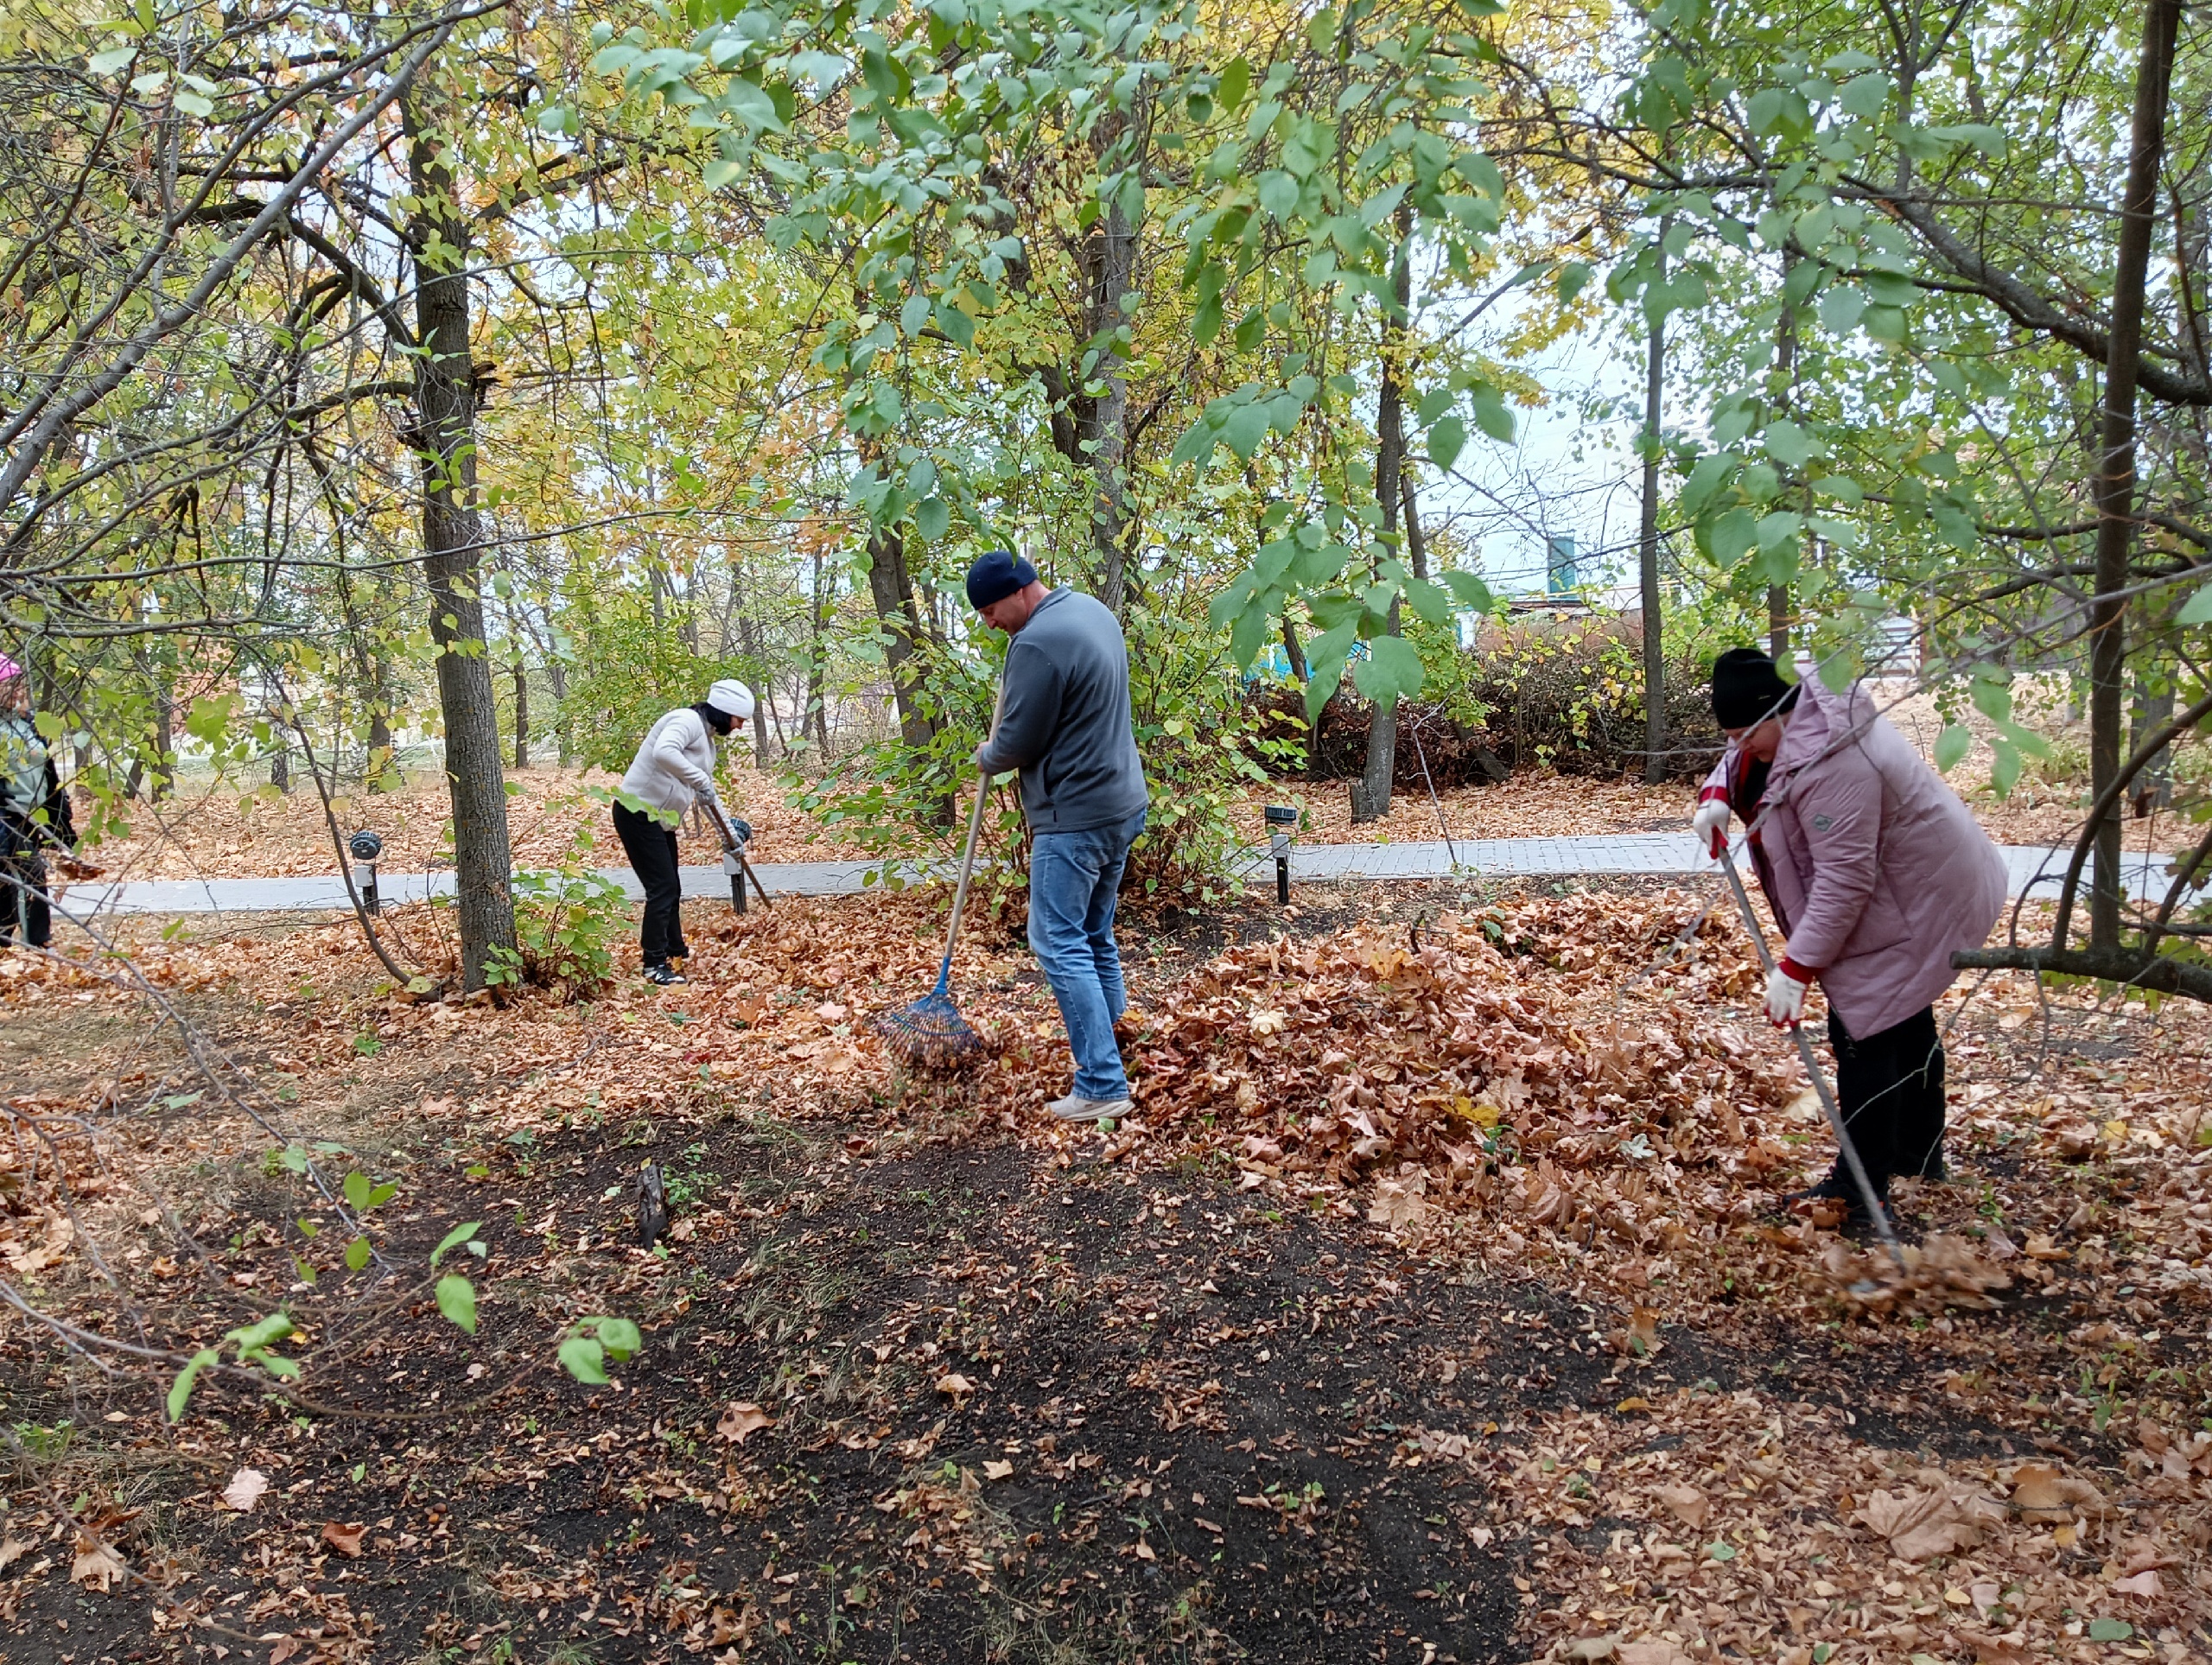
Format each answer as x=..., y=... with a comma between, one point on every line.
x=740, y=829
x=1711, y=824
x=978, y=756
x=1785, y=994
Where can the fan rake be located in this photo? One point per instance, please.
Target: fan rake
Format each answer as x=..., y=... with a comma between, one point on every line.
x=930, y=1033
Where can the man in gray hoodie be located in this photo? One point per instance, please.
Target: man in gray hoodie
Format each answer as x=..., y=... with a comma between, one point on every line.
x=1065, y=726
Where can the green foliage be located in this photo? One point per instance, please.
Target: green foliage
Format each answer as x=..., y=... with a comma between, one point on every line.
x=567, y=923
x=1203, y=744
x=590, y=1343
x=627, y=670
x=251, y=1346
x=1200, y=742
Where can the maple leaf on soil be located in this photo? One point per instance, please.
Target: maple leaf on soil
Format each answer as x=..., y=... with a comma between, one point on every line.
x=244, y=1490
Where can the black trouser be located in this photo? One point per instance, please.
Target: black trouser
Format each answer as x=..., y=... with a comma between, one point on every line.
x=24, y=909
x=1889, y=1088
x=651, y=849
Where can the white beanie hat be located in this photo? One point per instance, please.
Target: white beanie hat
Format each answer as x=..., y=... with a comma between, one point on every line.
x=731, y=699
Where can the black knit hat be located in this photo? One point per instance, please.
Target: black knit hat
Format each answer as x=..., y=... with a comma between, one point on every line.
x=1747, y=688
x=996, y=575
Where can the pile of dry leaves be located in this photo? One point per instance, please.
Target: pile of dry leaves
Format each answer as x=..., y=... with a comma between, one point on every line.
x=1494, y=1071
x=1761, y=1526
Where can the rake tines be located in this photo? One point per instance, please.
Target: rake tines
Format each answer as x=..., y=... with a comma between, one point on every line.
x=930, y=1033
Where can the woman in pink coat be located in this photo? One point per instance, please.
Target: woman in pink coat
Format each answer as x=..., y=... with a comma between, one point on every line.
x=1877, y=873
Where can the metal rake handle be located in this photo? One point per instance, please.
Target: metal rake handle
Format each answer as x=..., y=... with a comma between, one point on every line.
x=1859, y=1175
x=968, y=855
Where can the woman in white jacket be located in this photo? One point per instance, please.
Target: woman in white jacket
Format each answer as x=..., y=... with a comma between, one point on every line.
x=673, y=770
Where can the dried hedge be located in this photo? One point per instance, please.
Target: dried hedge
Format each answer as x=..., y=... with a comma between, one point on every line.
x=1543, y=691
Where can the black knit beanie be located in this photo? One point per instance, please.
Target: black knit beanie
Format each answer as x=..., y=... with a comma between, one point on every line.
x=1747, y=688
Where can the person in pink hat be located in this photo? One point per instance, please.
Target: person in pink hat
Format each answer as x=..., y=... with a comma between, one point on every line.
x=34, y=814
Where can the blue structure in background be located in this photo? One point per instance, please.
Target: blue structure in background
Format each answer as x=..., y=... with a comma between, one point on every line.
x=1559, y=564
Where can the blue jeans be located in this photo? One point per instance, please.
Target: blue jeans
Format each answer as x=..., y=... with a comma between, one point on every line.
x=1073, y=879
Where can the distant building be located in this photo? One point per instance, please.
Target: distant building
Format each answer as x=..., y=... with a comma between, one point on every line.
x=1559, y=564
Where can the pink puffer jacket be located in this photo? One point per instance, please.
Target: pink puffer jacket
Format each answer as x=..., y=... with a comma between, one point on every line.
x=1875, y=869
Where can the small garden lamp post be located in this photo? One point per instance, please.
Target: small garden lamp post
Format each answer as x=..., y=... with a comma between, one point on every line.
x=1281, y=819
x=367, y=846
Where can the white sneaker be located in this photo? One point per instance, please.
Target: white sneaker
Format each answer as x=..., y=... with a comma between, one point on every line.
x=1072, y=1108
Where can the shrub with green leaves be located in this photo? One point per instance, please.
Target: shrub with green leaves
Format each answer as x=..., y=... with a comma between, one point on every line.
x=1200, y=741
x=567, y=922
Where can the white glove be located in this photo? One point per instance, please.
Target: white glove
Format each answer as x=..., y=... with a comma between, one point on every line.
x=1785, y=994
x=709, y=796
x=1711, y=825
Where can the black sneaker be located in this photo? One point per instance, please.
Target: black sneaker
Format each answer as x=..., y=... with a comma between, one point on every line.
x=1841, y=1188
x=667, y=977
x=1836, y=1188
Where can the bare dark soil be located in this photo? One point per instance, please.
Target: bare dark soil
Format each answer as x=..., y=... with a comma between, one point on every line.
x=1210, y=1412
x=1024, y=1408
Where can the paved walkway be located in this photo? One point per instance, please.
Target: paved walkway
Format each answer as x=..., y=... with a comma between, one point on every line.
x=2035, y=870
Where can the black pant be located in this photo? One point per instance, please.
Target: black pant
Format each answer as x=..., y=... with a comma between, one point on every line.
x=23, y=906
x=1889, y=1088
x=651, y=849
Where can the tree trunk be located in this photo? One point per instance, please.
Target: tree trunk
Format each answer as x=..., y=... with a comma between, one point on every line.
x=557, y=677
x=2115, y=462
x=163, y=777
x=1370, y=794
x=1110, y=507
x=890, y=585
x=445, y=443
x=1655, y=651
x=1113, y=279
x=1785, y=359
x=1293, y=650
x=376, y=694
x=1416, y=545
x=2154, y=708
x=280, y=764
x=522, y=710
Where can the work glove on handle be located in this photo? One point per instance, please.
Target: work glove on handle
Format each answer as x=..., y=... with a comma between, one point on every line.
x=1711, y=823
x=1786, y=986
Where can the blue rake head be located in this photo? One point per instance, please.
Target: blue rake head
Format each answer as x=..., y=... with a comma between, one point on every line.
x=930, y=1033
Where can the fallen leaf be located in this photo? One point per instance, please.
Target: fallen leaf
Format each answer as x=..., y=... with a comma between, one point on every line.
x=954, y=1383
x=1590, y=1648
x=244, y=1490
x=1143, y=1551
x=345, y=1540
x=742, y=1420
x=2043, y=1495
x=2145, y=1583
x=1652, y=1651
x=1691, y=1506
x=12, y=1550
x=998, y=1470
x=1920, y=1525
x=96, y=1564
